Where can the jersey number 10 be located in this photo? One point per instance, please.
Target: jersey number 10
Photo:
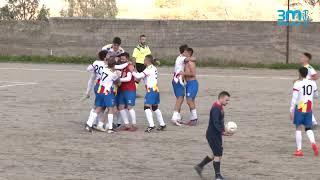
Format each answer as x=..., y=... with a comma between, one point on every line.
x=307, y=90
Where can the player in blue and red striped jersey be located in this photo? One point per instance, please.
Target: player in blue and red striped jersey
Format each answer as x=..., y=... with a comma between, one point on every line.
x=305, y=92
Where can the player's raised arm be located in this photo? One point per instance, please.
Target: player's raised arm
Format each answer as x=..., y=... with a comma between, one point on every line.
x=121, y=66
x=139, y=75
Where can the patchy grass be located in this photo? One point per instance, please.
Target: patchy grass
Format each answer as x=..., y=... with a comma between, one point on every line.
x=87, y=60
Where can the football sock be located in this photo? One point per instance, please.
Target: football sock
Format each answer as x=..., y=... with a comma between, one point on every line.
x=205, y=161
x=193, y=115
x=314, y=121
x=310, y=135
x=110, y=121
x=119, y=119
x=159, y=117
x=176, y=115
x=100, y=124
x=149, y=117
x=132, y=113
x=124, y=116
x=92, y=117
x=216, y=166
x=298, y=140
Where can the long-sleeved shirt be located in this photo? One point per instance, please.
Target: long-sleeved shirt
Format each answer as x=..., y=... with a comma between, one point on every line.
x=216, y=121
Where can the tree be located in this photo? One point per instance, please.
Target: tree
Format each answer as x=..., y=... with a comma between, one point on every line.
x=23, y=10
x=91, y=8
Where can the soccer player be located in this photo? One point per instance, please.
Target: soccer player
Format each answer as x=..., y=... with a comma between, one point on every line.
x=305, y=92
x=114, y=49
x=152, y=97
x=96, y=69
x=104, y=96
x=178, y=84
x=192, y=86
x=214, y=135
x=312, y=75
x=127, y=98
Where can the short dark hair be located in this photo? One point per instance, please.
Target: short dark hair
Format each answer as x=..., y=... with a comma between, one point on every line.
x=303, y=72
x=183, y=47
x=125, y=54
x=223, y=94
x=116, y=40
x=112, y=62
x=142, y=35
x=308, y=55
x=102, y=55
x=190, y=50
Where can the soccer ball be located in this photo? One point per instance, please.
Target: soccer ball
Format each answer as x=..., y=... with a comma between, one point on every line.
x=231, y=127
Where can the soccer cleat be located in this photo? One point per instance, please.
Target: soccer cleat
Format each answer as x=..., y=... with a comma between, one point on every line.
x=198, y=170
x=315, y=149
x=100, y=128
x=111, y=131
x=177, y=122
x=192, y=122
x=149, y=129
x=219, y=177
x=123, y=128
x=161, y=128
x=133, y=129
x=298, y=153
x=88, y=128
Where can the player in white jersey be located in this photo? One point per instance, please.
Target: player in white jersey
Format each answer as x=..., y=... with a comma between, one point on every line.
x=304, y=100
x=114, y=49
x=96, y=69
x=105, y=96
x=178, y=84
x=152, y=97
x=312, y=75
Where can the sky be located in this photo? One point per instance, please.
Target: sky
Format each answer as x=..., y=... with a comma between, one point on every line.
x=197, y=9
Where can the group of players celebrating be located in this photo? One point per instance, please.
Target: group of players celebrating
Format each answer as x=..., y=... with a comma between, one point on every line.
x=115, y=78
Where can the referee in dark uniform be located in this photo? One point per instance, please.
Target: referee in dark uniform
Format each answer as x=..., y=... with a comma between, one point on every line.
x=214, y=135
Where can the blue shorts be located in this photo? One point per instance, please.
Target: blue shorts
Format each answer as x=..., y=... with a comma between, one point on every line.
x=301, y=118
x=103, y=100
x=192, y=89
x=178, y=89
x=152, y=98
x=127, y=98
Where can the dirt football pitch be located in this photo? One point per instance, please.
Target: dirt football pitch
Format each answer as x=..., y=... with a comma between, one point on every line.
x=42, y=134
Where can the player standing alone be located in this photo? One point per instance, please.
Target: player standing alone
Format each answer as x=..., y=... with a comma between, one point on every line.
x=214, y=135
x=312, y=75
x=305, y=92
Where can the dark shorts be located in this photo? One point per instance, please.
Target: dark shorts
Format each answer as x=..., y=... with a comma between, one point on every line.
x=215, y=143
x=140, y=67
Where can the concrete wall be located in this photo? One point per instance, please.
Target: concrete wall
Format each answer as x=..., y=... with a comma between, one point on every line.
x=248, y=42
